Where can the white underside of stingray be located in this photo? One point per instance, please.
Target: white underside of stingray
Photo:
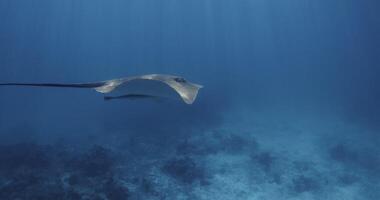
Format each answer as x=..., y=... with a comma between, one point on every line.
x=152, y=85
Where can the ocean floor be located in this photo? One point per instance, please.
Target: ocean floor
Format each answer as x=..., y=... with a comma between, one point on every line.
x=248, y=157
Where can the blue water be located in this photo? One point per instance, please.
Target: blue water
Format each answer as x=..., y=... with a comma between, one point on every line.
x=290, y=107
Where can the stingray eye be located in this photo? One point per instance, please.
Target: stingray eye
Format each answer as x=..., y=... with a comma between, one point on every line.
x=180, y=80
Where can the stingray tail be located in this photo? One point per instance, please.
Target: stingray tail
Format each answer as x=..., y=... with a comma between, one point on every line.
x=60, y=85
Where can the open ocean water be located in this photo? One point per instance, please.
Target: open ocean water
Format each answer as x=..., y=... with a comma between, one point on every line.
x=289, y=109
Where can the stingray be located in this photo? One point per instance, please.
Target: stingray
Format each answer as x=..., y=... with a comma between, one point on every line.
x=135, y=87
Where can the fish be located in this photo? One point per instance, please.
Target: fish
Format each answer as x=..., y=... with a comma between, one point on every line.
x=133, y=87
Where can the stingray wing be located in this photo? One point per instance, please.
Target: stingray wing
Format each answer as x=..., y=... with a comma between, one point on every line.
x=153, y=85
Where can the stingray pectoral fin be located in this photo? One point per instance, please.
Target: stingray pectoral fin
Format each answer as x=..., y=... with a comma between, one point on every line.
x=184, y=89
x=108, y=86
x=131, y=97
x=189, y=97
x=188, y=91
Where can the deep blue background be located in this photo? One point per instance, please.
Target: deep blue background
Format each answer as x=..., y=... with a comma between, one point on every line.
x=322, y=53
x=294, y=56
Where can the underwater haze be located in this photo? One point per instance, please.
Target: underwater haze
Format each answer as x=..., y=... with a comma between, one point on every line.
x=289, y=109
